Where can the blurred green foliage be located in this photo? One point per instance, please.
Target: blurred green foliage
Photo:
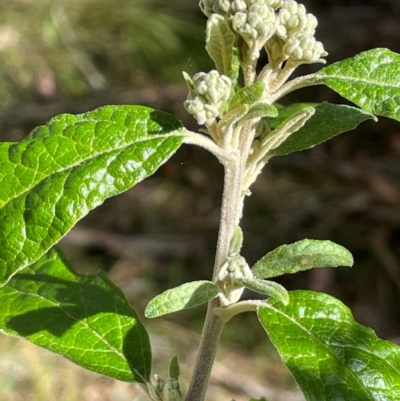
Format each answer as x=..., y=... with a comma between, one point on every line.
x=61, y=49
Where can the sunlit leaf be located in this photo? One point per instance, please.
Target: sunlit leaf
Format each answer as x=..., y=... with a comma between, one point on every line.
x=302, y=255
x=86, y=319
x=247, y=95
x=369, y=79
x=330, y=355
x=69, y=166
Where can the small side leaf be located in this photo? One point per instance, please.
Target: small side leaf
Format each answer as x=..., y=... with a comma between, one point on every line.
x=86, y=319
x=286, y=111
x=265, y=287
x=236, y=241
x=174, y=369
x=369, y=79
x=185, y=296
x=189, y=84
x=220, y=42
x=227, y=125
x=330, y=355
x=302, y=255
x=247, y=95
x=286, y=129
x=328, y=121
x=260, y=110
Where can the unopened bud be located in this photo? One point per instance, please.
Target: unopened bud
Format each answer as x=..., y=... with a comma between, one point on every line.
x=293, y=21
x=304, y=48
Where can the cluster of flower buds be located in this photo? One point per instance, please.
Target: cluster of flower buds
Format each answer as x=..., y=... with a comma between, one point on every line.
x=255, y=25
x=207, y=92
x=282, y=27
x=285, y=33
x=295, y=31
x=228, y=8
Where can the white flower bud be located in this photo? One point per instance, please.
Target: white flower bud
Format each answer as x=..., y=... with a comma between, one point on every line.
x=223, y=6
x=293, y=20
x=234, y=267
x=311, y=23
x=255, y=26
x=203, y=113
x=241, y=26
x=207, y=95
x=238, y=5
x=207, y=6
x=304, y=48
x=215, y=88
x=274, y=3
x=263, y=19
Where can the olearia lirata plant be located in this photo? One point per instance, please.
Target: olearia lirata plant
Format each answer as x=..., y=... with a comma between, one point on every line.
x=63, y=169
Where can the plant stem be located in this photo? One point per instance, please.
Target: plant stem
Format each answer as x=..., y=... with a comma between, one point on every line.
x=230, y=215
x=213, y=326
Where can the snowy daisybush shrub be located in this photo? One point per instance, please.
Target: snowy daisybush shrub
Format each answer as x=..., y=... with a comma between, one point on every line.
x=62, y=170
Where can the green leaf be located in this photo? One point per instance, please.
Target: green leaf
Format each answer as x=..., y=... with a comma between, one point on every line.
x=185, y=296
x=328, y=121
x=86, y=319
x=330, y=355
x=236, y=241
x=189, y=84
x=69, y=166
x=226, y=125
x=265, y=287
x=286, y=111
x=302, y=255
x=174, y=370
x=247, y=95
x=286, y=129
x=369, y=79
x=220, y=41
x=260, y=110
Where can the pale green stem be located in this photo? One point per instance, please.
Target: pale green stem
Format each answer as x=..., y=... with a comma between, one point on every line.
x=213, y=326
x=249, y=67
x=193, y=138
x=283, y=75
x=230, y=215
x=246, y=139
x=228, y=313
x=292, y=85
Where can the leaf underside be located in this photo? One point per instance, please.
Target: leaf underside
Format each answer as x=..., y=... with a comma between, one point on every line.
x=330, y=355
x=188, y=295
x=265, y=287
x=69, y=166
x=86, y=319
x=328, y=121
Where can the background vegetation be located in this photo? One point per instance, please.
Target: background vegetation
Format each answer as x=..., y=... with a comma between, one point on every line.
x=72, y=56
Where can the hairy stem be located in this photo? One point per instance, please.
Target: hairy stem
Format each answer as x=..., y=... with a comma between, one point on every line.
x=231, y=210
x=228, y=313
x=292, y=85
x=208, y=347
